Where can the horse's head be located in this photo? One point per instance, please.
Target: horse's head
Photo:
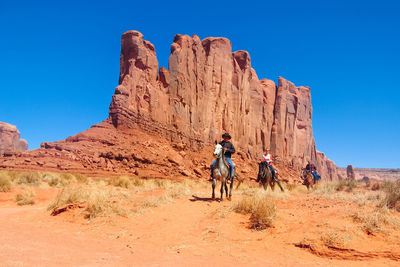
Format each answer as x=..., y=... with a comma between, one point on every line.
x=261, y=170
x=218, y=150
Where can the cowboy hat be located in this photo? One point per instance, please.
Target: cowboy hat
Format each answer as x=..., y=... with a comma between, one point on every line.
x=226, y=135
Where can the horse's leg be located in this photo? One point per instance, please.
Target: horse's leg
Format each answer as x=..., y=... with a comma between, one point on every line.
x=222, y=189
x=272, y=184
x=226, y=190
x=230, y=191
x=279, y=184
x=213, y=188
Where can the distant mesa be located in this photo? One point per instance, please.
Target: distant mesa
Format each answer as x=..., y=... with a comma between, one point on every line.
x=10, y=139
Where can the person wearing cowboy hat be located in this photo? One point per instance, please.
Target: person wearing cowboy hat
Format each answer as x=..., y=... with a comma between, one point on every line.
x=229, y=150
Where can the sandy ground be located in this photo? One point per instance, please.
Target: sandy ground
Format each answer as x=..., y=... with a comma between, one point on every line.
x=309, y=230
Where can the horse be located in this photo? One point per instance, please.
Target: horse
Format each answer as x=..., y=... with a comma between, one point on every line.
x=308, y=178
x=221, y=172
x=265, y=176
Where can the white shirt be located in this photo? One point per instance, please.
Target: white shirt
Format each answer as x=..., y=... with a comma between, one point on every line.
x=267, y=158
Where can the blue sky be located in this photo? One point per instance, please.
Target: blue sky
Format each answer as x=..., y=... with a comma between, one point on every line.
x=59, y=62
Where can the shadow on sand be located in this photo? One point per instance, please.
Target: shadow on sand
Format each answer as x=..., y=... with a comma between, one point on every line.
x=206, y=199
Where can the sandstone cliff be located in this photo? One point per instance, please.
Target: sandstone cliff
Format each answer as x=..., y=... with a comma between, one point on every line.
x=207, y=90
x=9, y=139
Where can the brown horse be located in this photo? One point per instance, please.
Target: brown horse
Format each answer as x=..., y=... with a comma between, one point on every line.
x=308, y=178
x=265, y=176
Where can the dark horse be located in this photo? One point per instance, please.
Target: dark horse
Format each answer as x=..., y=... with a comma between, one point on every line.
x=308, y=178
x=221, y=173
x=265, y=176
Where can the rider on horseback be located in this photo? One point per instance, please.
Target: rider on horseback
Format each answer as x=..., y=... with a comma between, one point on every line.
x=310, y=167
x=229, y=150
x=267, y=160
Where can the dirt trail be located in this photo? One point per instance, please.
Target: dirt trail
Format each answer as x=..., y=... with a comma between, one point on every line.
x=191, y=231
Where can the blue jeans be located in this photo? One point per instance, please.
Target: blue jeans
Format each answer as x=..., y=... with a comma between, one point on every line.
x=231, y=165
x=316, y=176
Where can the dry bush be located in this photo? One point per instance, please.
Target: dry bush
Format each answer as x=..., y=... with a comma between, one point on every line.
x=161, y=183
x=375, y=186
x=332, y=239
x=392, y=194
x=348, y=184
x=12, y=174
x=5, y=182
x=56, y=180
x=122, y=181
x=29, y=178
x=81, y=178
x=325, y=188
x=155, y=202
x=373, y=222
x=26, y=197
x=261, y=207
x=99, y=201
x=176, y=190
x=291, y=187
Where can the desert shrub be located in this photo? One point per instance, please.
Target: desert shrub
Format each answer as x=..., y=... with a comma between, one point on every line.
x=137, y=182
x=325, y=188
x=332, y=239
x=122, y=181
x=98, y=201
x=26, y=197
x=155, y=202
x=290, y=187
x=29, y=178
x=392, y=194
x=81, y=178
x=262, y=210
x=373, y=222
x=161, y=183
x=12, y=174
x=5, y=182
x=55, y=179
x=375, y=186
x=176, y=190
x=347, y=184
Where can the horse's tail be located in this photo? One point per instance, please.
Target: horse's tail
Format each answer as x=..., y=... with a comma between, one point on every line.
x=239, y=179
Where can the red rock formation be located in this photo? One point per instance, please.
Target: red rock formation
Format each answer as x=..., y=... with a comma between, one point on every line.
x=9, y=139
x=350, y=172
x=206, y=91
x=209, y=90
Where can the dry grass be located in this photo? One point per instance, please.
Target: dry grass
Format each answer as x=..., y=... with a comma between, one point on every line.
x=332, y=239
x=373, y=222
x=29, y=178
x=375, y=186
x=37, y=179
x=99, y=201
x=155, y=202
x=392, y=194
x=122, y=181
x=347, y=184
x=5, y=182
x=261, y=207
x=26, y=197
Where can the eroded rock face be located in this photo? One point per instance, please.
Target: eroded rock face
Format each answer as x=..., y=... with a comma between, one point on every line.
x=206, y=91
x=9, y=139
x=209, y=90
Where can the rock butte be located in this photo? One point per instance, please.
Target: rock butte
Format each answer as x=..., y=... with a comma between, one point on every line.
x=164, y=121
x=9, y=139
